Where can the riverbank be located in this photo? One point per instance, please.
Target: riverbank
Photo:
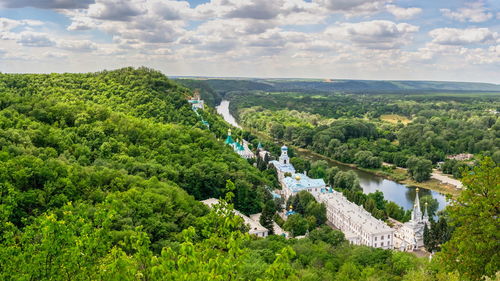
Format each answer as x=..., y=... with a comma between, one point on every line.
x=398, y=175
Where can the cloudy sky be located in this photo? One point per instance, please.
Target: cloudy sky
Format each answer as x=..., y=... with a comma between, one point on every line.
x=360, y=39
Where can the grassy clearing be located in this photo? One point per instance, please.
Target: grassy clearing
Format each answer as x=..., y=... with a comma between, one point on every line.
x=435, y=185
x=394, y=118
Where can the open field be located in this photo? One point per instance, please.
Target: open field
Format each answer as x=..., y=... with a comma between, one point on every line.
x=394, y=118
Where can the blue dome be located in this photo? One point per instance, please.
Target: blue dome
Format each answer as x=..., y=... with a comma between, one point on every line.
x=284, y=147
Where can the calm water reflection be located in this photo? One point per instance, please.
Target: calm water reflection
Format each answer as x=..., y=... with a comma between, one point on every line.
x=399, y=193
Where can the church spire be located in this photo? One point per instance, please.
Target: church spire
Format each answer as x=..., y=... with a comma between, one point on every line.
x=229, y=140
x=417, y=212
x=426, y=214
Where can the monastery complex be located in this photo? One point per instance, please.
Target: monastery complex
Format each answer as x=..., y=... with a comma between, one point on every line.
x=357, y=224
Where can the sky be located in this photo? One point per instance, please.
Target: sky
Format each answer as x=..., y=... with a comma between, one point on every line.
x=447, y=40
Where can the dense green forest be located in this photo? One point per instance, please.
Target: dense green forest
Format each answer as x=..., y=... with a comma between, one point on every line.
x=100, y=177
x=411, y=131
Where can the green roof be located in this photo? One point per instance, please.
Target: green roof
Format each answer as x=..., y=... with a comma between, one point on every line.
x=229, y=140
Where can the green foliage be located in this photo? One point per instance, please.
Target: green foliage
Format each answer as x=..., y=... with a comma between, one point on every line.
x=296, y=224
x=366, y=159
x=346, y=180
x=207, y=93
x=266, y=218
x=310, y=214
x=375, y=204
x=454, y=167
x=474, y=250
x=327, y=235
x=106, y=142
x=318, y=169
x=300, y=164
x=100, y=173
x=436, y=235
x=440, y=125
x=420, y=169
x=430, y=203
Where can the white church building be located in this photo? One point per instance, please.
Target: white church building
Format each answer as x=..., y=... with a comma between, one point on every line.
x=292, y=182
x=283, y=166
x=240, y=147
x=409, y=236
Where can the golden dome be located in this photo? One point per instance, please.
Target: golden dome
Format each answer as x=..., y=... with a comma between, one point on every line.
x=417, y=189
x=297, y=177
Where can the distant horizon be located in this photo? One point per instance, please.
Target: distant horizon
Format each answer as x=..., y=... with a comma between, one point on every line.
x=334, y=79
x=260, y=78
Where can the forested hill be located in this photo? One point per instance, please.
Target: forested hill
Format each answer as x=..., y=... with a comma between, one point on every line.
x=336, y=85
x=124, y=142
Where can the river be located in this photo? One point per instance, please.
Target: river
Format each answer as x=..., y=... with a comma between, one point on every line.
x=399, y=193
x=223, y=109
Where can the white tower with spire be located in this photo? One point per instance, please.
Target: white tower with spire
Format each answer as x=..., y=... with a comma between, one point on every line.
x=416, y=215
x=410, y=236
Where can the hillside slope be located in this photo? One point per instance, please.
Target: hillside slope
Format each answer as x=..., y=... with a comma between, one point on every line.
x=101, y=137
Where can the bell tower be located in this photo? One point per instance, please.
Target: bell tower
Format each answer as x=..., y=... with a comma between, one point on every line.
x=284, y=159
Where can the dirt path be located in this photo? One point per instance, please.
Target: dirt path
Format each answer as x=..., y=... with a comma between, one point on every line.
x=446, y=179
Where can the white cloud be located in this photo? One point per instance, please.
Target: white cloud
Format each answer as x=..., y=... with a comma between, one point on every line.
x=47, y=4
x=172, y=10
x=80, y=22
x=455, y=36
x=353, y=7
x=34, y=39
x=55, y=55
x=252, y=37
x=403, y=13
x=134, y=22
x=376, y=34
x=7, y=24
x=256, y=9
x=116, y=10
x=77, y=45
x=473, y=12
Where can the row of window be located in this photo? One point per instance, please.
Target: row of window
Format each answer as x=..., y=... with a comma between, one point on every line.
x=382, y=237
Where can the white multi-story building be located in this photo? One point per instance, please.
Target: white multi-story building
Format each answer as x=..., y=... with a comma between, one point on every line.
x=358, y=225
x=255, y=227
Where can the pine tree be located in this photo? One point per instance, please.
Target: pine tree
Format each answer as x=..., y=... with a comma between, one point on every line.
x=427, y=239
x=266, y=218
